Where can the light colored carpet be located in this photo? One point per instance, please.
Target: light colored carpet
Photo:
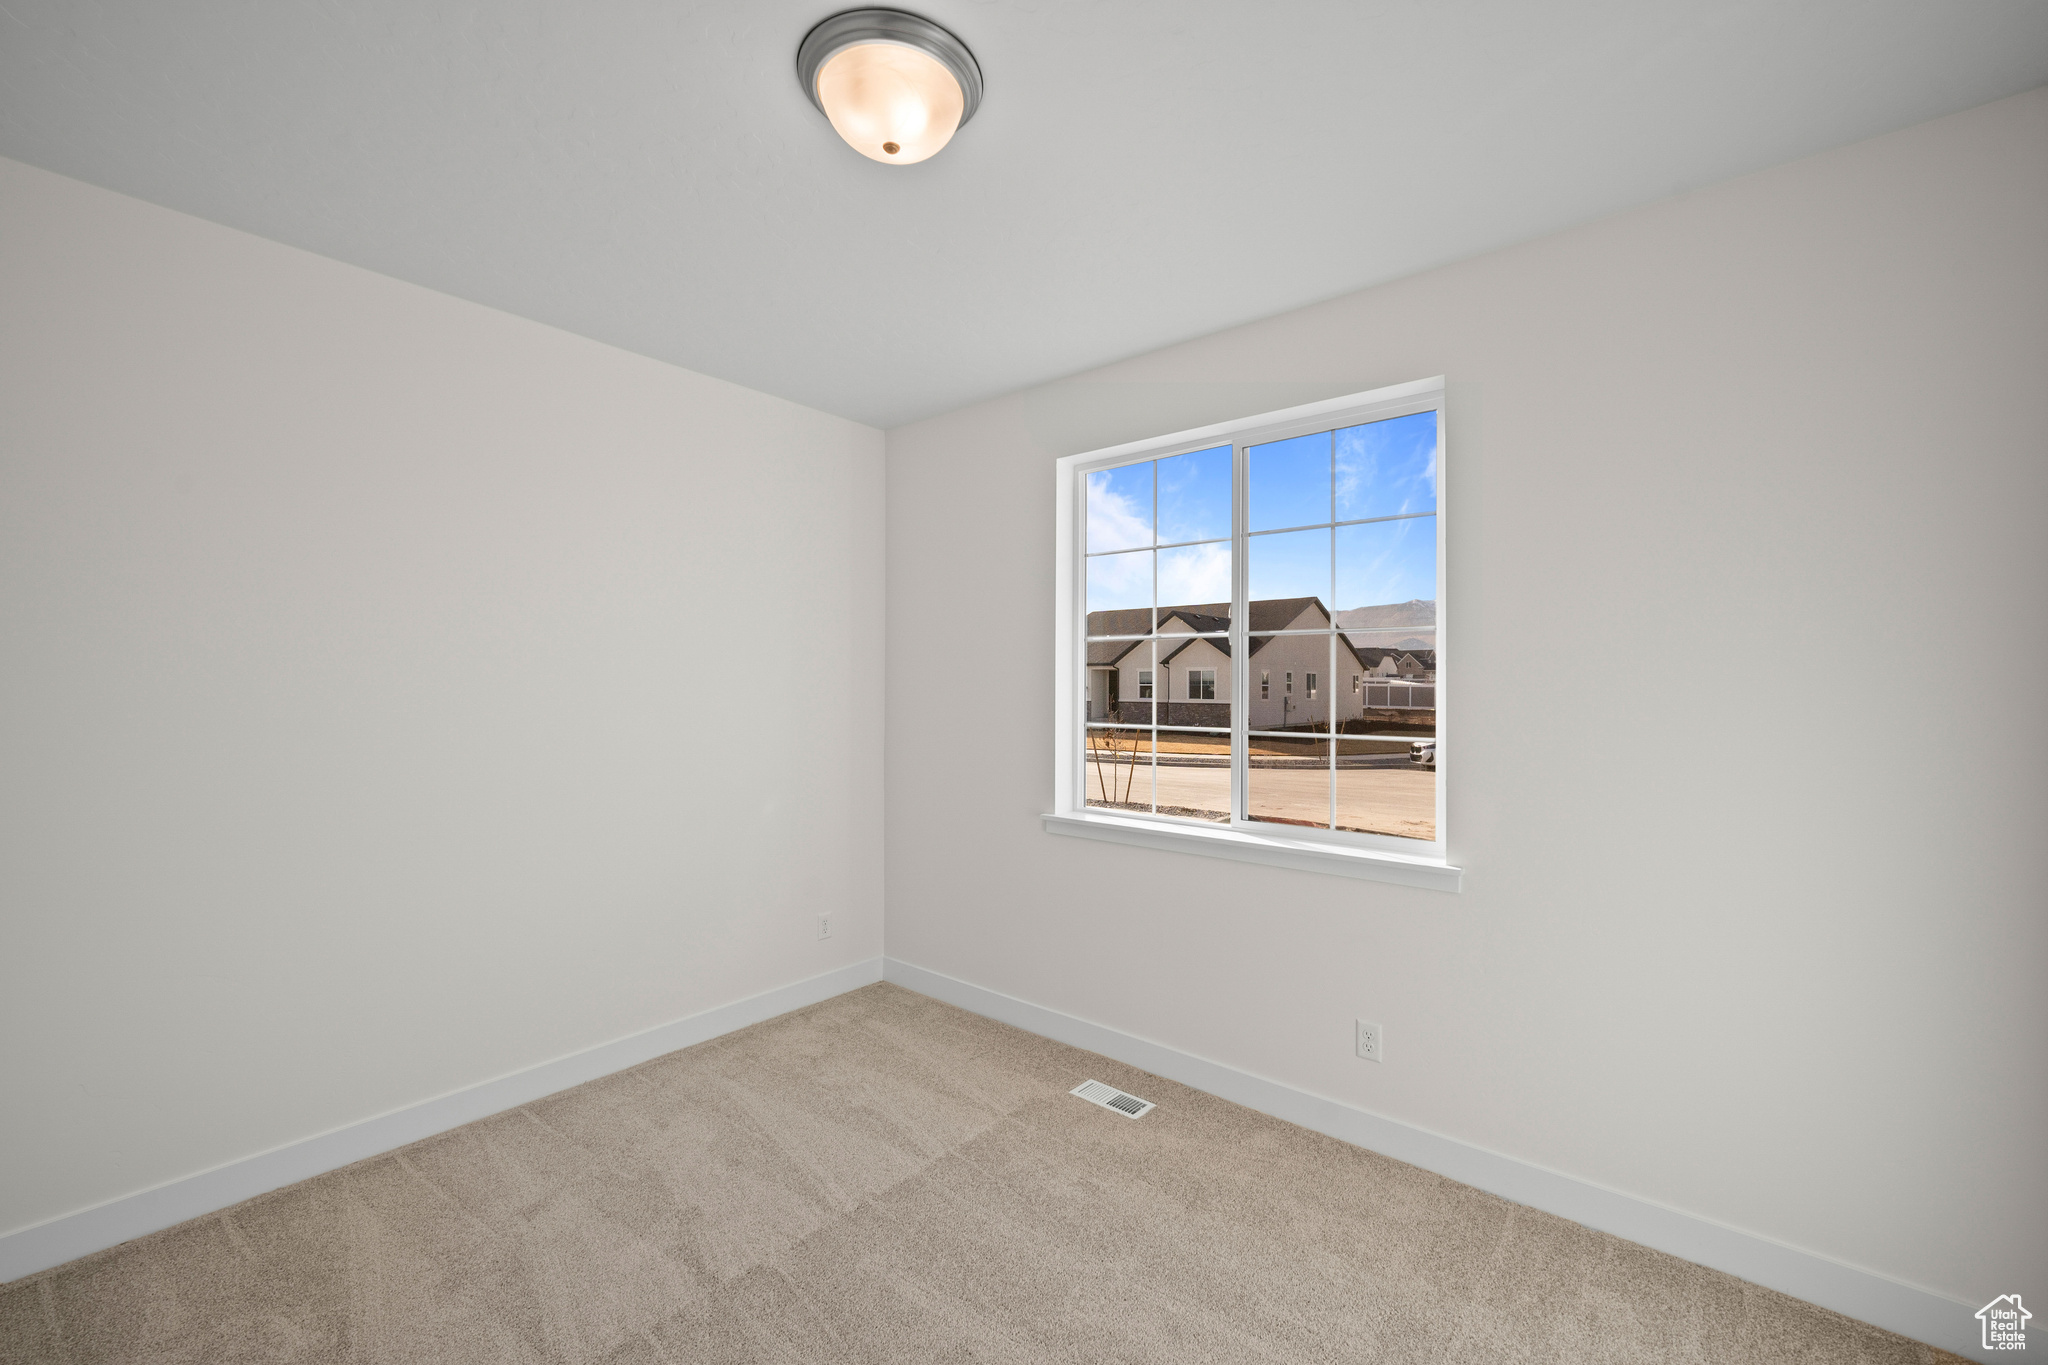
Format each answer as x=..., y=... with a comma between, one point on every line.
x=884, y=1178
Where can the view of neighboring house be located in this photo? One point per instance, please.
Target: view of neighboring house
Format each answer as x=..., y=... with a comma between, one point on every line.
x=1400, y=680
x=1295, y=681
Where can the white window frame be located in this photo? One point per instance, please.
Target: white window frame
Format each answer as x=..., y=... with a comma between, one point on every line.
x=1412, y=862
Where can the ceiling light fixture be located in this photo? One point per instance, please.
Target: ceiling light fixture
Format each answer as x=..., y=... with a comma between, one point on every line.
x=895, y=86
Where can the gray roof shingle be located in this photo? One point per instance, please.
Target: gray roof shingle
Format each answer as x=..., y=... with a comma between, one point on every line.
x=1267, y=614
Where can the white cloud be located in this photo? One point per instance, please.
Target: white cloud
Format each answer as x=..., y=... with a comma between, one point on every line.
x=1118, y=581
x=1114, y=522
x=1194, y=574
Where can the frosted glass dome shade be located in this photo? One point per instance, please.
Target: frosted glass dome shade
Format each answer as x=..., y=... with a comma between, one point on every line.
x=890, y=102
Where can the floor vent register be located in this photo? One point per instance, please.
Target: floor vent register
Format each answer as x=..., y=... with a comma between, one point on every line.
x=1109, y=1097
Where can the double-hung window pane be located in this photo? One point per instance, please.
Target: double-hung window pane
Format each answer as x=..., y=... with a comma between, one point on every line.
x=1159, y=591
x=1300, y=571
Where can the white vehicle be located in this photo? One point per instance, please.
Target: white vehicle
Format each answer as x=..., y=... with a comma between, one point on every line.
x=1423, y=752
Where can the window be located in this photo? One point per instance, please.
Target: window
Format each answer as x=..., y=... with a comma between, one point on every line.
x=1310, y=537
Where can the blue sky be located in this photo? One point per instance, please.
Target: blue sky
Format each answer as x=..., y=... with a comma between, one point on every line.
x=1379, y=562
x=1194, y=504
x=1386, y=468
x=1194, y=497
x=1194, y=501
x=1376, y=469
x=1290, y=483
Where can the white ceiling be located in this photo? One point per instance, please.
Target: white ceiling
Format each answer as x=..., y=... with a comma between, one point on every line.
x=1142, y=171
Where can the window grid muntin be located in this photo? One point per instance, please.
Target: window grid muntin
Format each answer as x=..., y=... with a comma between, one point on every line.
x=1313, y=526
x=1212, y=540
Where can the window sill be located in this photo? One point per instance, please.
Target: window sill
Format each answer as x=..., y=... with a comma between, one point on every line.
x=1243, y=846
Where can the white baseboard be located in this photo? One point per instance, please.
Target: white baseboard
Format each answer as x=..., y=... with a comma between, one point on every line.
x=72, y=1235
x=1911, y=1311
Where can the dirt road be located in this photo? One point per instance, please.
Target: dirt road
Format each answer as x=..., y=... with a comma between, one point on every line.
x=1383, y=800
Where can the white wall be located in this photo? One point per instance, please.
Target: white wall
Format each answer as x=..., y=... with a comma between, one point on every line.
x=1771, y=955
x=357, y=739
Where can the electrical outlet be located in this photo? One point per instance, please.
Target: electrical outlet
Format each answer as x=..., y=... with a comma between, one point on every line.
x=824, y=926
x=1372, y=1041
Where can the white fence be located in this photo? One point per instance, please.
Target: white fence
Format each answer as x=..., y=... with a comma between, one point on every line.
x=1401, y=696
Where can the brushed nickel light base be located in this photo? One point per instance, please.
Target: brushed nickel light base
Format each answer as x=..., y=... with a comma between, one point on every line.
x=842, y=31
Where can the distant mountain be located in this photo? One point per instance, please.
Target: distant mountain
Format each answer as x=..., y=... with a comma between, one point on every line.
x=1376, y=626
x=1395, y=614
